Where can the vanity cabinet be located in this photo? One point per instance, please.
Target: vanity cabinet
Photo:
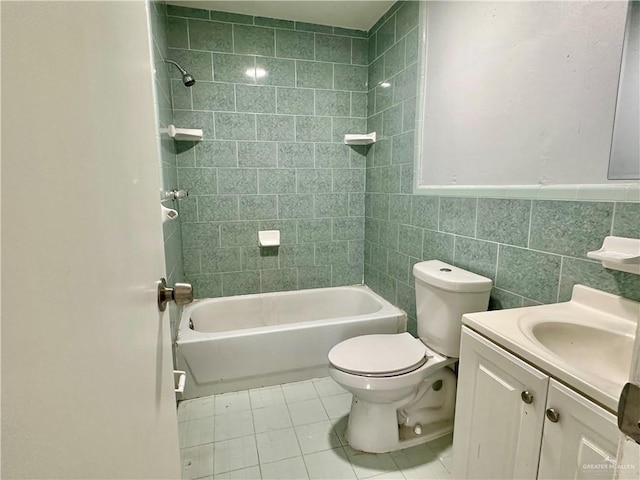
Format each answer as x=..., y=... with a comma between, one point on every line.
x=582, y=442
x=514, y=421
x=499, y=412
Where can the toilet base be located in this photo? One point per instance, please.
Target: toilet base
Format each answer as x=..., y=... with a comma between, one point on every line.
x=384, y=427
x=406, y=437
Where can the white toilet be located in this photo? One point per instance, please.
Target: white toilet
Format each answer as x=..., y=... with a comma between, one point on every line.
x=403, y=392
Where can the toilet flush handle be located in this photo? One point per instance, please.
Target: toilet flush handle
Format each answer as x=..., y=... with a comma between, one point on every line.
x=181, y=293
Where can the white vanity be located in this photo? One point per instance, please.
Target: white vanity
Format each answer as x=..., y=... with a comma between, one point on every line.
x=538, y=388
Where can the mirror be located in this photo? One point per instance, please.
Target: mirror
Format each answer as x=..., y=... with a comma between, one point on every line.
x=624, y=163
x=518, y=93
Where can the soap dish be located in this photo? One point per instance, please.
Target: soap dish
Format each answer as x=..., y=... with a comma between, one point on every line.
x=269, y=238
x=619, y=253
x=360, y=139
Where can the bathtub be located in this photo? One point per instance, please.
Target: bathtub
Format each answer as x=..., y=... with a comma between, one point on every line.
x=248, y=341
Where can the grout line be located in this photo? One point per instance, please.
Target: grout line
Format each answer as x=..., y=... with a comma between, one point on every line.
x=613, y=217
x=475, y=223
x=530, y=222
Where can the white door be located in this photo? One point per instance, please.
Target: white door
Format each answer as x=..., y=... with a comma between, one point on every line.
x=87, y=388
x=499, y=413
x=581, y=442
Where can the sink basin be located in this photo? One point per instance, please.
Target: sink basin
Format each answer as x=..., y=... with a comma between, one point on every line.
x=599, y=352
x=587, y=343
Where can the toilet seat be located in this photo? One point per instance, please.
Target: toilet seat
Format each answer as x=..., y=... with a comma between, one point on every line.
x=379, y=355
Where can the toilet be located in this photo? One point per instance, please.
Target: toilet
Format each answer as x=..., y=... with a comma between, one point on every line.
x=403, y=387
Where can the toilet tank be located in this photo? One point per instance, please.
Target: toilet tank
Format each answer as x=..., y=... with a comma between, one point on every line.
x=443, y=294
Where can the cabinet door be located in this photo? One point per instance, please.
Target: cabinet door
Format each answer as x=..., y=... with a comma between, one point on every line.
x=497, y=434
x=582, y=443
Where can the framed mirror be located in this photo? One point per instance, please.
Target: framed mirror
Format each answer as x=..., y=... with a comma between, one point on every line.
x=624, y=162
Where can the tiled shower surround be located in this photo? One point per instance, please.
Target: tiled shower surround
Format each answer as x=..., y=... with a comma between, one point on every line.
x=272, y=157
x=274, y=99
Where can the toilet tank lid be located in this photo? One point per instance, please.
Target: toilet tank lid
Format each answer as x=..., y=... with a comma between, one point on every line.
x=448, y=277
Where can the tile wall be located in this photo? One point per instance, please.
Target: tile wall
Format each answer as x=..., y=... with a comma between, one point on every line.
x=533, y=250
x=171, y=230
x=274, y=99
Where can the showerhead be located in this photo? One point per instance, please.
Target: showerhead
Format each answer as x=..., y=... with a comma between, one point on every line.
x=187, y=78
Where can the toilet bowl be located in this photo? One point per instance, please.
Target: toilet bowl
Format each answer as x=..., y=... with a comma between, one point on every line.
x=403, y=388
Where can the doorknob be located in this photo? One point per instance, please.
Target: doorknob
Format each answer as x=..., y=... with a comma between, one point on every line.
x=181, y=293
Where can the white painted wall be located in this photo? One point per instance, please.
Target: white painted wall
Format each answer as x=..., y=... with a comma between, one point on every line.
x=520, y=93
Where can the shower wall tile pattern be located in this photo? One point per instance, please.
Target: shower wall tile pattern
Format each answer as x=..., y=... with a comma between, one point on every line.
x=533, y=250
x=272, y=158
x=274, y=99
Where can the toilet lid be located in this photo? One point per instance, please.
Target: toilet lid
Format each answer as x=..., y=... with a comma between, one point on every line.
x=379, y=355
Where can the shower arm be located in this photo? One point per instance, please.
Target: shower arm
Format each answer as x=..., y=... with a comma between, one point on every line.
x=182, y=70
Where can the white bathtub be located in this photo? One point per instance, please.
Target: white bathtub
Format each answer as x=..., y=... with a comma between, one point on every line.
x=252, y=341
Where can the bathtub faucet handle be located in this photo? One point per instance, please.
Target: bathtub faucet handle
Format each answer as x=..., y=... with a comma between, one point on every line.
x=181, y=293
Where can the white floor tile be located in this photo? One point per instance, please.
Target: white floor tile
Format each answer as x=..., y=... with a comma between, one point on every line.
x=254, y=427
x=369, y=464
x=307, y=411
x=251, y=473
x=413, y=457
x=197, y=462
x=266, y=397
x=329, y=465
x=326, y=386
x=337, y=405
x=202, y=407
x=317, y=437
x=422, y=472
x=196, y=432
x=277, y=445
x=196, y=408
x=183, y=411
x=397, y=475
x=340, y=427
x=289, y=469
x=298, y=391
x=418, y=464
x=447, y=462
x=442, y=447
x=233, y=425
x=235, y=454
x=441, y=470
x=232, y=402
x=271, y=418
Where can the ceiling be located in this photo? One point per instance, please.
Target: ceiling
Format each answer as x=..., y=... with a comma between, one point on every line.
x=360, y=14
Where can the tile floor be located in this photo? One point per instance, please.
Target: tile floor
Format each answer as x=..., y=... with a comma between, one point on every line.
x=291, y=431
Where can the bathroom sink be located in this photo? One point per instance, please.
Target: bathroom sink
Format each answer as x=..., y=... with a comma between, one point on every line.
x=587, y=342
x=604, y=353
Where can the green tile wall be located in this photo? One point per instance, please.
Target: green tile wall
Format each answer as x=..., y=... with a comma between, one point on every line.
x=533, y=250
x=272, y=156
x=171, y=230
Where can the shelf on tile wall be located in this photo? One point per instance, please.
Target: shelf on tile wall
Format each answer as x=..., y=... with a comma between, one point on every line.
x=360, y=138
x=184, y=134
